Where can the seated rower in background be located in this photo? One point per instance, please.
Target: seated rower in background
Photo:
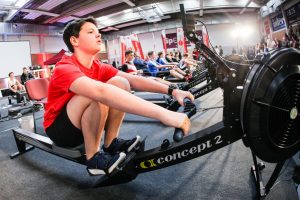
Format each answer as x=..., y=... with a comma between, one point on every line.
x=187, y=63
x=157, y=69
x=13, y=84
x=128, y=67
x=162, y=60
x=140, y=63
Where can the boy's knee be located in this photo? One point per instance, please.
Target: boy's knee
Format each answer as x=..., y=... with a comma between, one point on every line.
x=120, y=82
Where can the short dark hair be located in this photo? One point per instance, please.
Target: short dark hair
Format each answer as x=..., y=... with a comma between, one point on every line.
x=150, y=53
x=160, y=53
x=24, y=68
x=10, y=73
x=128, y=52
x=73, y=28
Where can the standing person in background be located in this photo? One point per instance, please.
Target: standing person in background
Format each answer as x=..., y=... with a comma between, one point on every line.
x=13, y=84
x=114, y=64
x=233, y=52
x=285, y=41
x=26, y=75
x=217, y=50
x=221, y=51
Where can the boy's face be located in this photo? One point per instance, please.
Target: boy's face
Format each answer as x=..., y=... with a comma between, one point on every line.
x=130, y=57
x=89, y=39
x=153, y=55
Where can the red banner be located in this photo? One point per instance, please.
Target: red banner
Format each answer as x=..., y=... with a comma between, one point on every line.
x=181, y=41
x=267, y=26
x=123, y=49
x=163, y=38
x=137, y=45
x=205, y=36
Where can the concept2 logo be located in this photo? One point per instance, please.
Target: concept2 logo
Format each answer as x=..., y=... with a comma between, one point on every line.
x=183, y=154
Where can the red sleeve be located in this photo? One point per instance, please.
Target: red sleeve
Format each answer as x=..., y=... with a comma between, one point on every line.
x=65, y=75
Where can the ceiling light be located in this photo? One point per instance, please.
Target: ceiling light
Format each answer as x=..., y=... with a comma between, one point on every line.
x=152, y=14
x=127, y=11
x=21, y=3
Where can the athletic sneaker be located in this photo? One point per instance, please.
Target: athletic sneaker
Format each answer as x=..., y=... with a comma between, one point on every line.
x=120, y=145
x=104, y=163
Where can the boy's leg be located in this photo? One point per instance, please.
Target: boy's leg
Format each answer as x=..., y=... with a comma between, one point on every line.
x=115, y=117
x=180, y=71
x=176, y=74
x=90, y=117
x=85, y=114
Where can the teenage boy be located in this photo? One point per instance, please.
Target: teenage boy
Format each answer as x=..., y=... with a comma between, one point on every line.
x=86, y=97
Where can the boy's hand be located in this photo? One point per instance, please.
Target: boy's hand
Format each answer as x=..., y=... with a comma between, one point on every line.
x=179, y=95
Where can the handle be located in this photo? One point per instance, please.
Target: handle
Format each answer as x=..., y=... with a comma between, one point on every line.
x=178, y=133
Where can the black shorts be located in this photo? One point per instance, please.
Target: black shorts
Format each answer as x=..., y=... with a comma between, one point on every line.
x=63, y=133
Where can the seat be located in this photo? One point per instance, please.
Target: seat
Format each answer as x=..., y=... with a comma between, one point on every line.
x=37, y=90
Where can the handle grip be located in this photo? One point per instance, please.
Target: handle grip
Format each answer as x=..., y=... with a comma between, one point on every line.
x=178, y=133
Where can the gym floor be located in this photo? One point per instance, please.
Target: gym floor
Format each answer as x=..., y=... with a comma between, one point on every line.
x=223, y=174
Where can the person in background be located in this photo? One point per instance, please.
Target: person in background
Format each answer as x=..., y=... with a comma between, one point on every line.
x=157, y=69
x=14, y=85
x=168, y=58
x=196, y=54
x=186, y=63
x=128, y=66
x=285, y=41
x=114, y=64
x=26, y=75
x=221, y=51
x=217, y=50
x=233, y=52
x=179, y=55
x=176, y=57
x=139, y=63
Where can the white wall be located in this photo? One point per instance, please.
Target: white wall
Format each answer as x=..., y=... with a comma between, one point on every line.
x=53, y=44
x=223, y=34
x=34, y=43
x=14, y=56
x=39, y=44
x=113, y=50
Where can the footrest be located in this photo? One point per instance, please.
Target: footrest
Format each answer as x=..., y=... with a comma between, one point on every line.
x=125, y=172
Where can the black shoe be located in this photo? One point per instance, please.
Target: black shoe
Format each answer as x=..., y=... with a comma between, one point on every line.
x=104, y=163
x=120, y=145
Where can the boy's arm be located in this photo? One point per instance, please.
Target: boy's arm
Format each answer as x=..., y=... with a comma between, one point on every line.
x=122, y=100
x=146, y=84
